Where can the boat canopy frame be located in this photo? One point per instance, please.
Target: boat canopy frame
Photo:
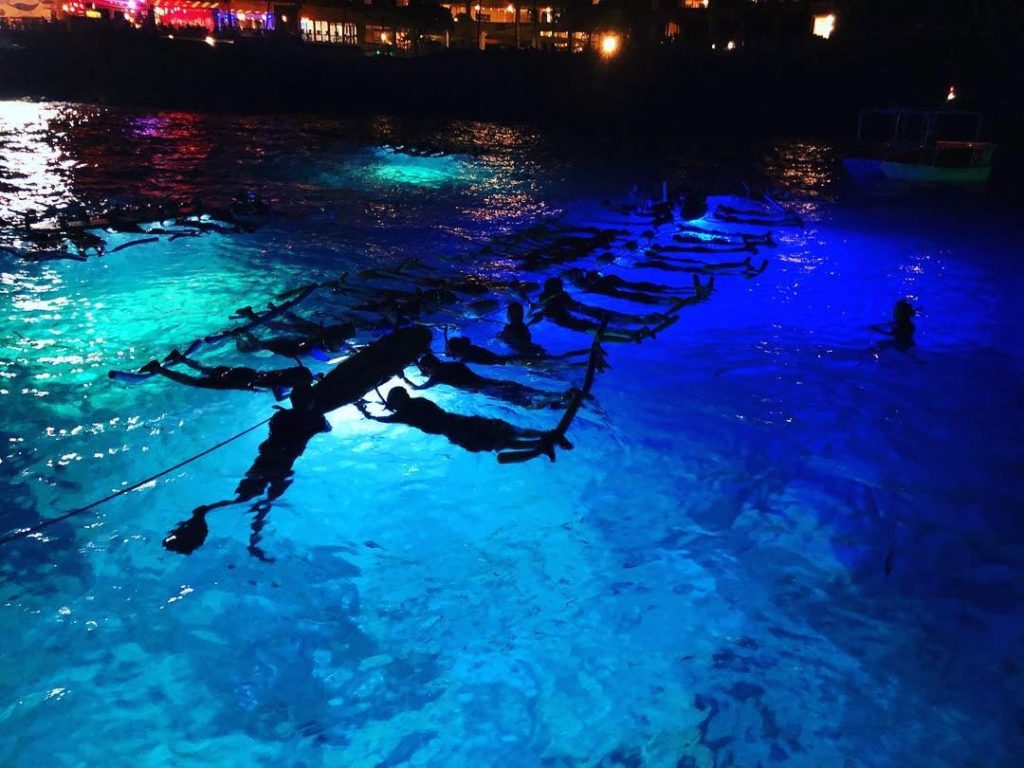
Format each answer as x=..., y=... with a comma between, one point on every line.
x=928, y=120
x=925, y=137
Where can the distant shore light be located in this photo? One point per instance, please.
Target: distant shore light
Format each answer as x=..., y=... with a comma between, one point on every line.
x=824, y=26
x=951, y=96
x=610, y=44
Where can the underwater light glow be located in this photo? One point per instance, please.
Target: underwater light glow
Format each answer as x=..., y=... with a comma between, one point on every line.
x=398, y=168
x=412, y=174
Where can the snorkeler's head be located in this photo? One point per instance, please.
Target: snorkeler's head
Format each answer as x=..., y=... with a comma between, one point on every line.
x=427, y=363
x=397, y=398
x=301, y=396
x=553, y=285
x=514, y=312
x=334, y=336
x=459, y=345
x=903, y=312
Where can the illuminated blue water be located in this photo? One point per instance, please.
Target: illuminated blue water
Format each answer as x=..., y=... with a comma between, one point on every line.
x=701, y=582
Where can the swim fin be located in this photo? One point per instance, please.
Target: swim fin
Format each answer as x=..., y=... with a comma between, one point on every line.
x=129, y=376
x=188, y=535
x=518, y=457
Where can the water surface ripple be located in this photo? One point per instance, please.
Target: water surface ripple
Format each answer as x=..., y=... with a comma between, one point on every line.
x=701, y=582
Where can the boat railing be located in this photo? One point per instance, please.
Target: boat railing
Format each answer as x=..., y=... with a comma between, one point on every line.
x=918, y=126
x=949, y=154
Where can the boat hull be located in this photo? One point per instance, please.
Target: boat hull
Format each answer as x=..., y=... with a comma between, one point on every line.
x=872, y=169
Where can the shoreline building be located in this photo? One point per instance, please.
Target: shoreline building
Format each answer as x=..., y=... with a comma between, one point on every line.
x=409, y=27
x=372, y=26
x=381, y=27
x=19, y=13
x=568, y=25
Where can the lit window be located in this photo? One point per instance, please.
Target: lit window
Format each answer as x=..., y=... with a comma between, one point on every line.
x=824, y=25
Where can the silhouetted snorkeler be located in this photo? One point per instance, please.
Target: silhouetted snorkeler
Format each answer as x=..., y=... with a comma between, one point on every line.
x=223, y=377
x=697, y=235
x=461, y=376
x=658, y=260
x=472, y=433
x=616, y=287
x=321, y=345
x=694, y=205
x=516, y=333
x=900, y=330
x=292, y=429
x=756, y=218
x=463, y=349
x=558, y=306
x=566, y=248
x=474, y=285
x=404, y=306
x=705, y=247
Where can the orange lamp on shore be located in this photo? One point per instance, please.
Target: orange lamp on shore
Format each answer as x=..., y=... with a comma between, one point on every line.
x=611, y=43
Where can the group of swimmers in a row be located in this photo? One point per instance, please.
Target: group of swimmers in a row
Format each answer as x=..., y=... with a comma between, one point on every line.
x=409, y=308
x=71, y=232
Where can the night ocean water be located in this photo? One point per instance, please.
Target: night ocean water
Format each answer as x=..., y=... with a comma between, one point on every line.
x=777, y=540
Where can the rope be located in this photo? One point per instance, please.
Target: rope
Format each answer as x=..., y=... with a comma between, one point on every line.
x=25, y=532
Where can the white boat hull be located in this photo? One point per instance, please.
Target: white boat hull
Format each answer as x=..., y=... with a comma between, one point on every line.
x=868, y=168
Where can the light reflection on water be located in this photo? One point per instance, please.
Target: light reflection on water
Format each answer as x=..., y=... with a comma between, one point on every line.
x=35, y=173
x=706, y=563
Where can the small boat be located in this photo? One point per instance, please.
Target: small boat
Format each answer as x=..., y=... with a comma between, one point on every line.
x=941, y=146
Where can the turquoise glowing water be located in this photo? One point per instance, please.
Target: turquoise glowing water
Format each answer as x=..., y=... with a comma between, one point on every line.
x=700, y=582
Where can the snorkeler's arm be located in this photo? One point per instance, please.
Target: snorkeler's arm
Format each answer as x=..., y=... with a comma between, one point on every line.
x=361, y=405
x=571, y=353
x=129, y=376
x=425, y=385
x=181, y=378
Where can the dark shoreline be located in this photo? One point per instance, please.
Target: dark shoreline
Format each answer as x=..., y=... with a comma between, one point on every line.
x=645, y=99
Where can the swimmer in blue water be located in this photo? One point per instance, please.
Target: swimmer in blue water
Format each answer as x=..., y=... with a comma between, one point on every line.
x=616, y=287
x=472, y=433
x=516, y=333
x=461, y=376
x=223, y=377
x=322, y=344
x=900, y=331
x=291, y=429
x=559, y=307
